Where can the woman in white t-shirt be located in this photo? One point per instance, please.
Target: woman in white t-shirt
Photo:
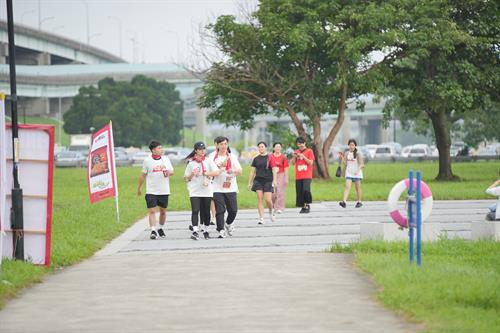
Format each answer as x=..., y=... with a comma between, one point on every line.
x=197, y=175
x=353, y=168
x=494, y=213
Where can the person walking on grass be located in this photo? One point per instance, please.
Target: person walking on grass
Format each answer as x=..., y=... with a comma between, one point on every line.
x=352, y=161
x=225, y=187
x=197, y=175
x=156, y=170
x=261, y=180
x=303, y=158
x=279, y=160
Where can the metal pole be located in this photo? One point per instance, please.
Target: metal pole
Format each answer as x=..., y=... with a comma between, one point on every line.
x=410, y=215
x=419, y=222
x=60, y=123
x=16, y=212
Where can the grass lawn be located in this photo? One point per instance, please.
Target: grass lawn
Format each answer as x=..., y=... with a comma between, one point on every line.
x=457, y=288
x=80, y=229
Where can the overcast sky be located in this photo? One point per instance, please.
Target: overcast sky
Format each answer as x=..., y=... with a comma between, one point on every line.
x=163, y=30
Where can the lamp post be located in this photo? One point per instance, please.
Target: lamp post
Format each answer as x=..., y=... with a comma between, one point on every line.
x=177, y=38
x=87, y=18
x=45, y=20
x=24, y=13
x=119, y=31
x=17, y=222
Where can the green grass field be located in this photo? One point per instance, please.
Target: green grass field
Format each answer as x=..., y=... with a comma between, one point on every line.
x=456, y=290
x=80, y=229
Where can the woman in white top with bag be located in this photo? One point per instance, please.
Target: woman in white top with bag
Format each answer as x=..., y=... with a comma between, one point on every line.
x=197, y=175
x=353, y=168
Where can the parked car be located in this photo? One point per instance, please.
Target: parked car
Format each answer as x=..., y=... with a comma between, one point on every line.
x=248, y=154
x=122, y=159
x=176, y=154
x=139, y=157
x=486, y=151
x=405, y=151
x=70, y=159
x=418, y=152
x=385, y=152
x=371, y=149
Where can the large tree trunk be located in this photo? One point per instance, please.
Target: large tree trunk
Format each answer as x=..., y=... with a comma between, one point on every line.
x=443, y=142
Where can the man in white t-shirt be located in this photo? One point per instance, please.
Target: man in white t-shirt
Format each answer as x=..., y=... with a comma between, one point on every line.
x=225, y=186
x=156, y=169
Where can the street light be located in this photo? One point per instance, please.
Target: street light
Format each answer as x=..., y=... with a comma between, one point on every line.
x=95, y=35
x=177, y=38
x=26, y=12
x=119, y=30
x=45, y=20
x=87, y=14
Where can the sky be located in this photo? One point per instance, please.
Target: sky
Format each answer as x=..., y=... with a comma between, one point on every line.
x=152, y=31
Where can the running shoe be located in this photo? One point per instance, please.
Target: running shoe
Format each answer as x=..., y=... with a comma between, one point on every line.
x=342, y=204
x=358, y=205
x=206, y=235
x=261, y=221
x=229, y=229
x=161, y=233
x=222, y=234
x=153, y=235
x=212, y=221
x=195, y=236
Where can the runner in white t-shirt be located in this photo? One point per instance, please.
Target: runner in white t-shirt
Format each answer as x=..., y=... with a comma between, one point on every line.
x=197, y=175
x=156, y=169
x=225, y=186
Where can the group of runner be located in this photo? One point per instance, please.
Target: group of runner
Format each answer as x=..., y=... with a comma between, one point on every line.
x=212, y=186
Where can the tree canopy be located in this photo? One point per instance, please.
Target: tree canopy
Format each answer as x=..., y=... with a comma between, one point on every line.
x=448, y=69
x=299, y=59
x=141, y=110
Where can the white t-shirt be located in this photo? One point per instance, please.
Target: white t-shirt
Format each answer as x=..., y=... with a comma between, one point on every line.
x=352, y=166
x=200, y=186
x=226, y=182
x=156, y=182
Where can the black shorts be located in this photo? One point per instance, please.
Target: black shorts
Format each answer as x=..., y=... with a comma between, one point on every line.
x=262, y=185
x=153, y=200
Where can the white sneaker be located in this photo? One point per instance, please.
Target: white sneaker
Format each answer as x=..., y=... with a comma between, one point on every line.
x=279, y=211
x=261, y=220
x=229, y=229
x=222, y=234
x=273, y=218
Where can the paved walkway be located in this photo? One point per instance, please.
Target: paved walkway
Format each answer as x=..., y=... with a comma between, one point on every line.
x=271, y=278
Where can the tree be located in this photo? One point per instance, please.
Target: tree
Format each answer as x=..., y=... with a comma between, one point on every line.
x=141, y=110
x=448, y=67
x=481, y=126
x=301, y=59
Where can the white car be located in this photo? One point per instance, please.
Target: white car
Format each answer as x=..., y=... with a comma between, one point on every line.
x=405, y=151
x=384, y=151
x=371, y=149
x=418, y=152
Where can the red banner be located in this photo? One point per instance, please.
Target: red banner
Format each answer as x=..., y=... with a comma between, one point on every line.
x=101, y=173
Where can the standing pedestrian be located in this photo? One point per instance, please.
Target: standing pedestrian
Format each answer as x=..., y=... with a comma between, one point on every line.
x=156, y=170
x=225, y=187
x=212, y=204
x=197, y=175
x=353, y=166
x=279, y=160
x=303, y=158
x=262, y=179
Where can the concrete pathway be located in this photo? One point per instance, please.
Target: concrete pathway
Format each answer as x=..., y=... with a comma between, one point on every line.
x=271, y=278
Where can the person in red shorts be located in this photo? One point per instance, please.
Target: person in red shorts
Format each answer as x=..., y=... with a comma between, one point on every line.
x=303, y=158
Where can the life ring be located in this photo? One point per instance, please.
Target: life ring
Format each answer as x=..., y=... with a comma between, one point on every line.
x=396, y=192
